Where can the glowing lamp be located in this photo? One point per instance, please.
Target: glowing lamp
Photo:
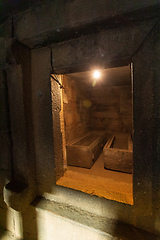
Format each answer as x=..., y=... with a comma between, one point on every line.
x=96, y=74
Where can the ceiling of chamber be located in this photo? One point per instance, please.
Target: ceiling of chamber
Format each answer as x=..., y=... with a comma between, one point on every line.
x=119, y=76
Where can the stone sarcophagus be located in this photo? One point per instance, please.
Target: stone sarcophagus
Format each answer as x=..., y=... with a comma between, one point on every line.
x=84, y=151
x=118, y=153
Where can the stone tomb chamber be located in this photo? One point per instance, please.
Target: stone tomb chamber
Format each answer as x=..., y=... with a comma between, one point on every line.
x=97, y=132
x=80, y=161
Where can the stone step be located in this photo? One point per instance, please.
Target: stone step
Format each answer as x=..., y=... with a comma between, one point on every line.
x=49, y=220
x=63, y=221
x=68, y=231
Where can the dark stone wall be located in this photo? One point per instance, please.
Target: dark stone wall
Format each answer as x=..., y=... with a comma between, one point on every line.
x=156, y=89
x=40, y=22
x=22, y=57
x=5, y=131
x=43, y=121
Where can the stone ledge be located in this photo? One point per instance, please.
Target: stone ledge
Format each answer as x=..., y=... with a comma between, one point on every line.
x=112, y=229
x=60, y=21
x=99, y=186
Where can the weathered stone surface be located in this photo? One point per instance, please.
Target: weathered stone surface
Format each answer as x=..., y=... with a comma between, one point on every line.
x=14, y=75
x=118, y=159
x=76, y=115
x=3, y=79
x=57, y=131
x=12, y=221
x=156, y=86
x=22, y=173
x=18, y=195
x=6, y=28
x=23, y=56
x=5, y=44
x=5, y=151
x=143, y=119
x=43, y=121
x=4, y=108
x=3, y=100
x=83, y=152
x=104, y=49
x=4, y=122
x=111, y=108
x=84, y=223
x=59, y=20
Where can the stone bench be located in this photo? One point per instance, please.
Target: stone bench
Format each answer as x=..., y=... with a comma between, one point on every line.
x=118, y=153
x=84, y=151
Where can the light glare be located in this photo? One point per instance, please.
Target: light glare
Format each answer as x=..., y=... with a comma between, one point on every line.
x=96, y=74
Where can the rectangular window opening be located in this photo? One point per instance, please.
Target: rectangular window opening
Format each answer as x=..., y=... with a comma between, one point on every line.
x=96, y=123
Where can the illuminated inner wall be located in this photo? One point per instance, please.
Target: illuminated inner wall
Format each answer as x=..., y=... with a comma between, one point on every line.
x=112, y=108
x=76, y=115
x=101, y=106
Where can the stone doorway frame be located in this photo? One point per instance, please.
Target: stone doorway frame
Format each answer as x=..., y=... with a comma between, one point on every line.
x=113, y=47
x=87, y=51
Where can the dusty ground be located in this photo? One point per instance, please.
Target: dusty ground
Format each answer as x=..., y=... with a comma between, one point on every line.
x=100, y=182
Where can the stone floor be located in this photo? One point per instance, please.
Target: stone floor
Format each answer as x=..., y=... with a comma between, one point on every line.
x=98, y=170
x=100, y=182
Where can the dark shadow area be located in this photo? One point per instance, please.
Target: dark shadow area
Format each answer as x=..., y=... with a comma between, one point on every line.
x=29, y=222
x=6, y=158
x=129, y=232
